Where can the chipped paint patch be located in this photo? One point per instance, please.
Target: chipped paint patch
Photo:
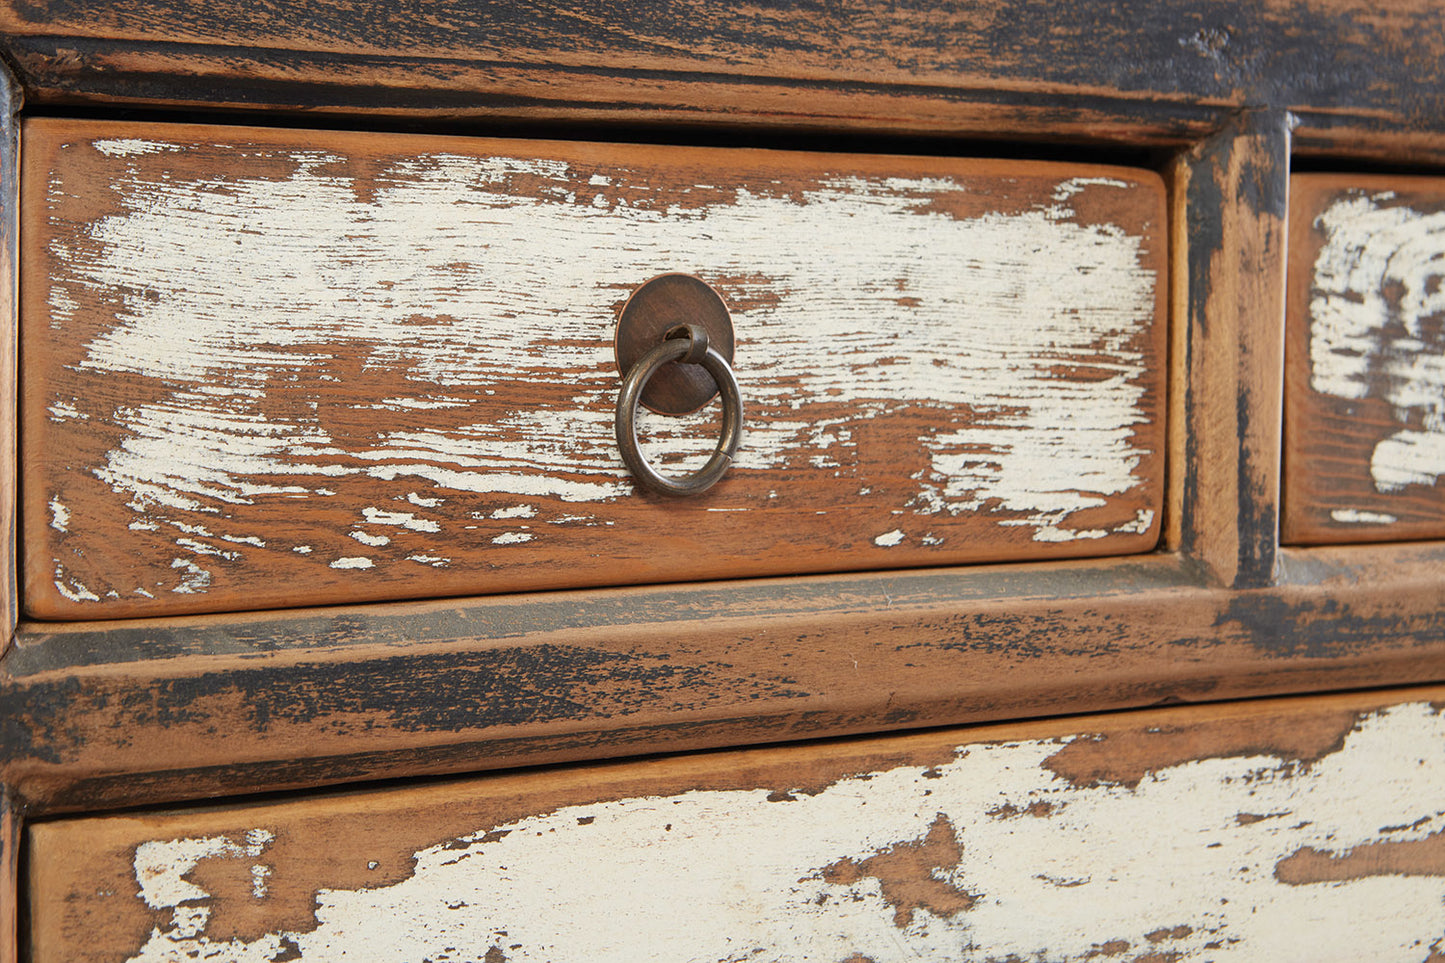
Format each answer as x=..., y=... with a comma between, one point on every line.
x=989, y=856
x=1355, y=516
x=353, y=561
x=59, y=516
x=1375, y=303
x=512, y=538
x=889, y=539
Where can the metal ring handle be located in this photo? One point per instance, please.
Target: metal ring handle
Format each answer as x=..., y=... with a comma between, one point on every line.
x=681, y=342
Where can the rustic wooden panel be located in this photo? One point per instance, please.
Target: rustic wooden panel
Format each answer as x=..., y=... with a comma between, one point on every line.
x=132, y=713
x=1229, y=198
x=1362, y=77
x=1366, y=402
x=1300, y=829
x=274, y=367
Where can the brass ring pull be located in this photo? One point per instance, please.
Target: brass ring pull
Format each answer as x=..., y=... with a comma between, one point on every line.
x=688, y=344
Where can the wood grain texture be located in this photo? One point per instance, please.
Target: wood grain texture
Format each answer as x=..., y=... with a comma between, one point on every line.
x=10, y=884
x=1229, y=200
x=1362, y=77
x=1365, y=407
x=9, y=353
x=134, y=713
x=1290, y=829
x=272, y=368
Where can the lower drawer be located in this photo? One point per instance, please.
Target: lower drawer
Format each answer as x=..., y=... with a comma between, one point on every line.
x=1287, y=829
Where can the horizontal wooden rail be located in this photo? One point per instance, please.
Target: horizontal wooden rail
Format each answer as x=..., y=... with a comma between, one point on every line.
x=117, y=714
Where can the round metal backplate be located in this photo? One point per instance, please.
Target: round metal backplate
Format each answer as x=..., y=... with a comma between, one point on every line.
x=660, y=304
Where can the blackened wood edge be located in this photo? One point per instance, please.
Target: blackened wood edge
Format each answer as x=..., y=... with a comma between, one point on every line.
x=10, y=100
x=1363, y=80
x=1230, y=195
x=309, y=699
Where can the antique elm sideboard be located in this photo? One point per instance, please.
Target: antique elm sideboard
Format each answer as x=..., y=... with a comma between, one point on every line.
x=1076, y=592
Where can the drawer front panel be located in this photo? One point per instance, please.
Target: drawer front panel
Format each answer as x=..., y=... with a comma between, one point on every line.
x=1301, y=829
x=270, y=368
x=1365, y=404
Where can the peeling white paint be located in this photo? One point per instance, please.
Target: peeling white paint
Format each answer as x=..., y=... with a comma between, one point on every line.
x=889, y=539
x=74, y=591
x=161, y=866
x=1184, y=864
x=516, y=511
x=1356, y=516
x=232, y=286
x=376, y=516
x=127, y=147
x=59, y=515
x=376, y=541
x=194, y=578
x=1377, y=293
x=512, y=538
x=352, y=561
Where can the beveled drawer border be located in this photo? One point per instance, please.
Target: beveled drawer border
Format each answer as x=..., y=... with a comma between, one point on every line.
x=1163, y=73
x=99, y=716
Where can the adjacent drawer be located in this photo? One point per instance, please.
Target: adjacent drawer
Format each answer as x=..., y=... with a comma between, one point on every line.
x=269, y=368
x=1305, y=829
x=1365, y=398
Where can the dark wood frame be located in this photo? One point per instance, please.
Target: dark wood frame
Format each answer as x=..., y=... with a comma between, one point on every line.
x=94, y=716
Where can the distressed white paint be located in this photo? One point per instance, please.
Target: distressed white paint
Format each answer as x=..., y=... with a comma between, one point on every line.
x=889, y=539
x=1378, y=291
x=713, y=875
x=352, y=561
x=59, y=515
x=232, y=284
x=1354, y=516
x=512, y=538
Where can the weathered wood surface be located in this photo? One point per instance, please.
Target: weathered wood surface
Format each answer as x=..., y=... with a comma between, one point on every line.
x=10, y=839
x=1300, y=829
x=9, y=352
x=1227, y=348
x=1366, y=401
x=131, y=713
x=1362, y=77
x=270, y=368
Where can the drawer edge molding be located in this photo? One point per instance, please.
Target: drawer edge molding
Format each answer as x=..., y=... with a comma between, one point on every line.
x=379, y=692
x=1153, y=73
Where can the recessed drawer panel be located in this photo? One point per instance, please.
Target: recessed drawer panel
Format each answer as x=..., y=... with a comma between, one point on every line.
x=267, y=367
x=1365, y=404
x=1307, y=829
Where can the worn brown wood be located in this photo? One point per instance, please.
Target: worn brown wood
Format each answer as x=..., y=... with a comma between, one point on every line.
x=272, y=368
x=9, y=348
x=1229, y=199
x=1306, y=828
x=10, y=884
x=1365, y=405
x=119, y=714
x=1363, y=78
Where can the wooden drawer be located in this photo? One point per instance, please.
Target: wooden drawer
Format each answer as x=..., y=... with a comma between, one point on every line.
x=1365, y=408
x=269, y=368
x=1286, y=829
